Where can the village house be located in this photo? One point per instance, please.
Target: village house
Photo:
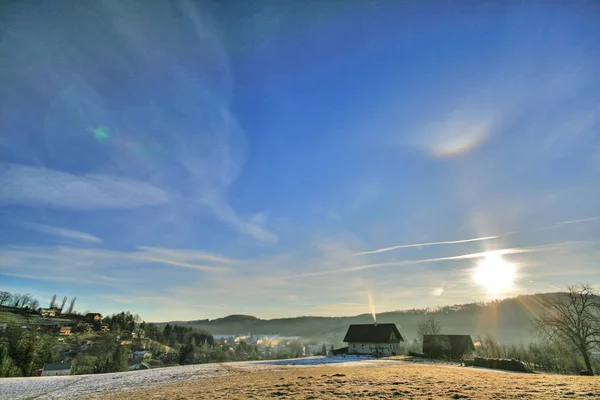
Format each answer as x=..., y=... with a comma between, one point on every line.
x=49, y=312
x=65, y=331
x=452, y=347
x=56, y=369
x=140, y=355
x=373, y=339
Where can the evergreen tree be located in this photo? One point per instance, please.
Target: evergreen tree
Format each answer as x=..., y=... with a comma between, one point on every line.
x=119, y=359
x=53, y=301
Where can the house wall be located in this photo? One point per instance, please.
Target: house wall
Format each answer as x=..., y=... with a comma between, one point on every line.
x=369, y=348
x=57, y=372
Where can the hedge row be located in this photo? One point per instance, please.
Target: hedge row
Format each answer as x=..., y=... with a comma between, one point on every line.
x=500, y=363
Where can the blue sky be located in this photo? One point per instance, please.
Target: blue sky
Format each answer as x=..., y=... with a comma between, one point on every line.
x=196, y=159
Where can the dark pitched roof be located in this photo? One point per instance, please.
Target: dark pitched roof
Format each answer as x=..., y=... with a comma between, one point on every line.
x=454, y=345
x=371, y=333
x=57, y=366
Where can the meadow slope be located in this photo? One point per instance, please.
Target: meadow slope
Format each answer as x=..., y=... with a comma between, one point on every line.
x=312, y=378
x=371, y=379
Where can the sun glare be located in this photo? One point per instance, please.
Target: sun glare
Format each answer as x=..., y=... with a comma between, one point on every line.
x=494, y=274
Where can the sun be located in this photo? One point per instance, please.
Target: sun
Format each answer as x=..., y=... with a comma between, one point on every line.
x=494, y=274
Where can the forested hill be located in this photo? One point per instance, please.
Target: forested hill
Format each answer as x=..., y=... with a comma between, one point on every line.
x=509, y=321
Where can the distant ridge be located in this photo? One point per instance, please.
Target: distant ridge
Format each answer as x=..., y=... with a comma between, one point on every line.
x=509, y=320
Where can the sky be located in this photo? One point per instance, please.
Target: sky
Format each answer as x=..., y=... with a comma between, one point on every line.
x=191, y=160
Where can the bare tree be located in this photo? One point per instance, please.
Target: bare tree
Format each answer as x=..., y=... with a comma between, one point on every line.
x=5, y=298
x=16, y=300
x=25, y=300
x=428, y=326
x=34, y=305
x=573, y=318
x=71, y=305
x=52, y=302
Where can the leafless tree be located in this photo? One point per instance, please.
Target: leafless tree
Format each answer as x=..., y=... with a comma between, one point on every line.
x=428, y=326
x=5, y=298
x=26, y=299
x=16, y=300
x=34, y=305
x=573, y=318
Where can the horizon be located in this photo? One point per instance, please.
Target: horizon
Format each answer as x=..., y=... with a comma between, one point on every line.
x=284, y=159
x=431, y=310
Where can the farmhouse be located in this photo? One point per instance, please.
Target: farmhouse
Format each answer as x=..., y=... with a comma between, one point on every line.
x=56, y=369
x=373, y=339
x=447, y=346
x=49, y=312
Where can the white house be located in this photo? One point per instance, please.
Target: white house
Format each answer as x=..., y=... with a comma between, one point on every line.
x=56, y=369
x=373, y=339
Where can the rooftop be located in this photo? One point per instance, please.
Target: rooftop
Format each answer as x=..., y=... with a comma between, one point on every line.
x=373, y=333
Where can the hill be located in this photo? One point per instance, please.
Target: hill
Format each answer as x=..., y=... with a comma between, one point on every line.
x=510, y=321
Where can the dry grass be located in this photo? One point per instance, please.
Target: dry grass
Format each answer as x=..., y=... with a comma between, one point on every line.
x=396, y=380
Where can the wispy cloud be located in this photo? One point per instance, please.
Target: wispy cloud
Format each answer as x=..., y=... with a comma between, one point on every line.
x=63, y=233
x=572, y=222
x=178, y=134
x=99, y=266
x=402, y=263
x=479, y=239
x=38, y=186
x=404, y=246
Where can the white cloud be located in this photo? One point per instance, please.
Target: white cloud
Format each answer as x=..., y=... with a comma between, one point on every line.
x=43, y=187
x=438, y=291
x=63, y=233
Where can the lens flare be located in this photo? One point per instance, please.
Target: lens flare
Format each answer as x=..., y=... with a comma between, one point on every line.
x=101, y=133
x=494, y=274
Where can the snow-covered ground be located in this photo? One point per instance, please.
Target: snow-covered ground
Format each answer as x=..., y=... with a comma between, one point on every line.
x=78, y=386
x=349, y=360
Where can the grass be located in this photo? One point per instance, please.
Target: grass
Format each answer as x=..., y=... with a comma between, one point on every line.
x=392, y=380
x=12, y=318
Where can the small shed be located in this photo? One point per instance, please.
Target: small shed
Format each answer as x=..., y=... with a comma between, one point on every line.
x=373, y=339
x=65, y=331
x=447, y=346
x=56, y=369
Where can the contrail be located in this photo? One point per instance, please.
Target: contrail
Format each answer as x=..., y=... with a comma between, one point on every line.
x=404, y=246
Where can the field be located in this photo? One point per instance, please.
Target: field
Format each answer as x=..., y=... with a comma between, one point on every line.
x=31, y=318
x=316, y=378
x=378, y=380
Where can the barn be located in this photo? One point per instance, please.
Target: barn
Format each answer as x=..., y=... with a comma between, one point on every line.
x=56, y=369
x=373, y=339
x=453, y=347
